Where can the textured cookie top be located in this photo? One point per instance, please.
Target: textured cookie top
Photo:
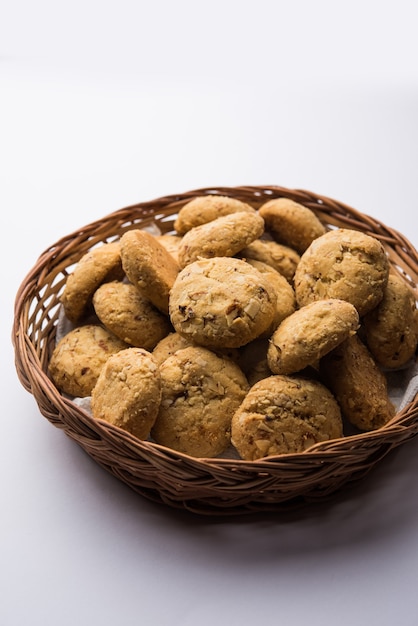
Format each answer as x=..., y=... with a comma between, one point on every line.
x=344, y=264
x=124, y=311
x=221, y=302
x=282, y=415
x=392, y=327
x=200, y=393
x=128, y=392
x=78, y=358
x=224, y=236
x=96, y=266
x=309, y=333
x=204, y=209
x=149, y=266
x=358, y=384
x=291, y=223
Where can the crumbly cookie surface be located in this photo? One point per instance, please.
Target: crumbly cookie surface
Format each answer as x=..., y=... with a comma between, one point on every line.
x=282, y=415
x=204, y=209
x=200, y=393
x=128, y=392
x=309, y=333
x=221, y=303
x=358, y=384
x=344, y=264
x=124, y=311
x=392, y=327
x=96, y=266
x=291, y=223
x=148, y=266
x=171, y=243
x=282, y=258
x=78, y=358
x=224, y=236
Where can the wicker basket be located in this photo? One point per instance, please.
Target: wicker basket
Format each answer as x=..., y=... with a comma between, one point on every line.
x=205, y=486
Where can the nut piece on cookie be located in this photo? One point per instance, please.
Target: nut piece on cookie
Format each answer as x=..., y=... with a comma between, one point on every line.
x=200, y=393
x=392, y=327
x=358, y=384
x=222, y=303
x=148, y=266
x=128, y=392
x=94, y=268
x=345, y=264
x=224, y=236
x=204, y=209
x=291, y=223
x=284, y=415
x=79, y=356
x=124, y=311
x=281, y=258
x=310, y=333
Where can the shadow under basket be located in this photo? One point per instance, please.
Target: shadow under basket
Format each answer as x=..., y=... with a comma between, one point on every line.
x=204, y=486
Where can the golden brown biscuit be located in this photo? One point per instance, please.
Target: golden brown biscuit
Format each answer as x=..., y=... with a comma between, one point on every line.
x=282, y=258
x=148, y=266
x=284, y=415
x=95, y=267
x=291, y=223
x=200, y=393
x=128, y=392
x=345, y=264
x=358, y=384
x=286, y=300
x=391, y=327
x=221, y=303
x=79, y=356
x=224, y=236
x=309, y=333
x=204, y=209
x=124, y=311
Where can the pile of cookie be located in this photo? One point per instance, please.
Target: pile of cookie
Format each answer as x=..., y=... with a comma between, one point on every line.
x=256, y=331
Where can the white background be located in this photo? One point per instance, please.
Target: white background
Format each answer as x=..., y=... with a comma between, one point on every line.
x=104, y=104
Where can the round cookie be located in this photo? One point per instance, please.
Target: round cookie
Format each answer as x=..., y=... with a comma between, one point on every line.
x=221, y=303
x=168, y=346
x=79, y=356
x=309, y=333
x=95, y=267
x=204, y=209
x=200, y=393
x=282, y=258
x=284, y=415
x=345, y=264
x=148, y=266
x=124, y=311
x=286, y=301
x=128, y=392
x=291, y=223
x=358, y=384
x=392, y=327
x=224, y=236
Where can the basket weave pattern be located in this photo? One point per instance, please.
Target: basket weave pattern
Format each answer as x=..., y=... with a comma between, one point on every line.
x=205, y=486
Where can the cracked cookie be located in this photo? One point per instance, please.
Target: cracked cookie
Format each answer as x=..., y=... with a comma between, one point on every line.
x=345, y=264
x=79, y=356
x=284, y=415
x=200, y=393
x=309, y=333
x=221, y=303
x=128, y=392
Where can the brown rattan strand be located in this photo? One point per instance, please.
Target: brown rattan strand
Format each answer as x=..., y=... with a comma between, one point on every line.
x=204, y=486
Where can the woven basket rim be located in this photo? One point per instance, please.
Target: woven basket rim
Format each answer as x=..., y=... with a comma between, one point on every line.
x=52, y=265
